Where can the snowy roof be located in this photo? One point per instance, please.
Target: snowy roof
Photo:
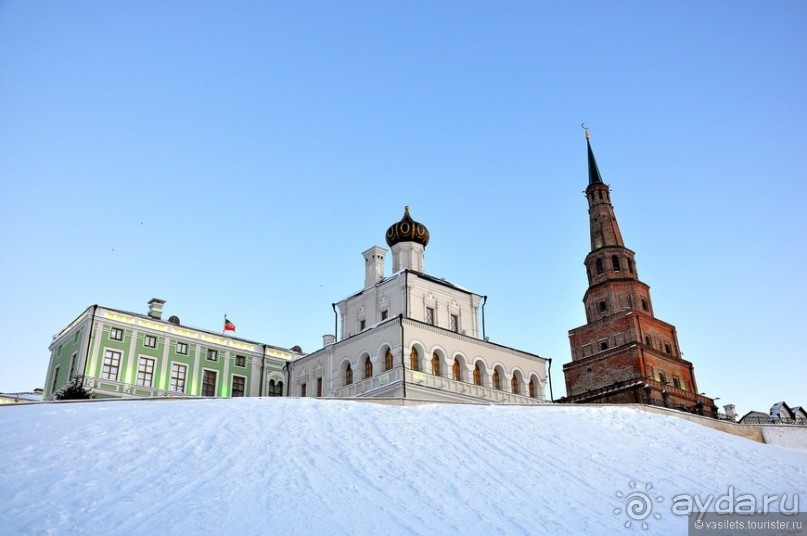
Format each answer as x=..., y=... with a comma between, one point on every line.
x=27, y=395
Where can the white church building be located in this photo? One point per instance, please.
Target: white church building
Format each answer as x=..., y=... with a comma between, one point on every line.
x=413, y=336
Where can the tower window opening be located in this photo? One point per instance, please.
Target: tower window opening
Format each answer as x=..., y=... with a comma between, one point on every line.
x=616, y=264
x=603, y=306
x=647, y=340
x=667, y=348
x=600, y=267
x=644, y=305
x=603, y=345
x=630, y=266
x=600, y=195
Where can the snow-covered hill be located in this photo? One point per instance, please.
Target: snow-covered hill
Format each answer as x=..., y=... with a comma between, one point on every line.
x=304, y=466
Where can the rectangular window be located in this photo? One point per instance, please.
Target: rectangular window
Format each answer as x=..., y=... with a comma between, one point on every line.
x=182, y=348
x=302, y=390
x=116, y=334
x=676, y=383
x=239, y=383
x=209, y=383
x=319, y=387
x=430, y=315
x=55, y=380
x=73, y=361
x=178, y=374
x=145, y=372
x=150, y=341
x=111, y=365
x=454, y=323
x=76, y=336
x=384, y=315
x=212, y=355
x=362, y=324
x=240, y=361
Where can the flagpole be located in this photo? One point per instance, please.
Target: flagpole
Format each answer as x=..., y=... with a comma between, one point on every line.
x=224, y=326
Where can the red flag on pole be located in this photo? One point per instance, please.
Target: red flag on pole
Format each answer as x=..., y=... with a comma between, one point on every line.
x=228, y=326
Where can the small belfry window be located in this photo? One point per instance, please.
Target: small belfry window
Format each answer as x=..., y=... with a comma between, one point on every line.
x=603, y=306
x=368, y=368
x=644, y=305
x=348, y=375
x=667, y=348
x=599, y=266
x=388, y=360
x=647, y=340
x=477, y=375
x=435, y=364
x=615, y=263
x=630, y=266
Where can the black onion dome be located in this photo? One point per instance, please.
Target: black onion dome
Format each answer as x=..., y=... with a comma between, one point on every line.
x=407, y=230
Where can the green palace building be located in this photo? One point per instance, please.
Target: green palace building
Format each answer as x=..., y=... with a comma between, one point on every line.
x=120, y=354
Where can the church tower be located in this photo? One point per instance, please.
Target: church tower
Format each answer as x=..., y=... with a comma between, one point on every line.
x=623, y=354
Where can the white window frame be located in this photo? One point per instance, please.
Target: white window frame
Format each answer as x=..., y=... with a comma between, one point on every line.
x=232, y=384
x=172, y=384
x=215, y=385
x=106, y=375
x=143, y=374
x=150, y=339
x=182, y=345
x=243, y=360
x=116, y=334
x=212, y=352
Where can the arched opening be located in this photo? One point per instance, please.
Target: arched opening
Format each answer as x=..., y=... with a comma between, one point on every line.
x=348, y=375
x=388, y=360
x=630, y=266
x=477, y=375
x=456, y=372
x=514, y=385
x=436, y=364
x=497, y=380
x=275, y=388
x=414, y=359
x=599, y=266
x=368, y=367
x=615, y=263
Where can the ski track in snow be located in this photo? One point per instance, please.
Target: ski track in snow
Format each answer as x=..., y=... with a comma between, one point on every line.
x=305, y=466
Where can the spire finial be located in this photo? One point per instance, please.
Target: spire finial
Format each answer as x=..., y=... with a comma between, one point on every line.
x=584, y=127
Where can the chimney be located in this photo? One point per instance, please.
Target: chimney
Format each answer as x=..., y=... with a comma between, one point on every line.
x=373, y=266
x=156, y=308
x=731, y=414
x=328, y=339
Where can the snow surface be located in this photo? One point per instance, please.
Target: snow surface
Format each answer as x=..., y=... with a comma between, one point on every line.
x=306, y=466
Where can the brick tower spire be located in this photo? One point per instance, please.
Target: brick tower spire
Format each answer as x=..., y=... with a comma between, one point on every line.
x=623, y=353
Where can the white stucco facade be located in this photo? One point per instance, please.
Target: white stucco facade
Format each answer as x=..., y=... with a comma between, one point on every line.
x=411, y=335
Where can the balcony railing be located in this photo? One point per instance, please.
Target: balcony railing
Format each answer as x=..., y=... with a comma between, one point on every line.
x=440, y=383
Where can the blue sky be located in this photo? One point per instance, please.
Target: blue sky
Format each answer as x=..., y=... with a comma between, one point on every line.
x=237, y=157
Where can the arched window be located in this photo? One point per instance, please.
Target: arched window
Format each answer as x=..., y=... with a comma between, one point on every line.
x=455, y=370
x=647, y=340
x=368, y=367
x=514, y=385
x=630, y=266
x=279, y=388
x=388, y=360
x=603, y=306
x=414, y=363
x=533, y=390
x=435, y=364
x=599, y=266
x=497, y=384
x=477, y=375
x=348, y=375
x=615, y=263
x=644, y=304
